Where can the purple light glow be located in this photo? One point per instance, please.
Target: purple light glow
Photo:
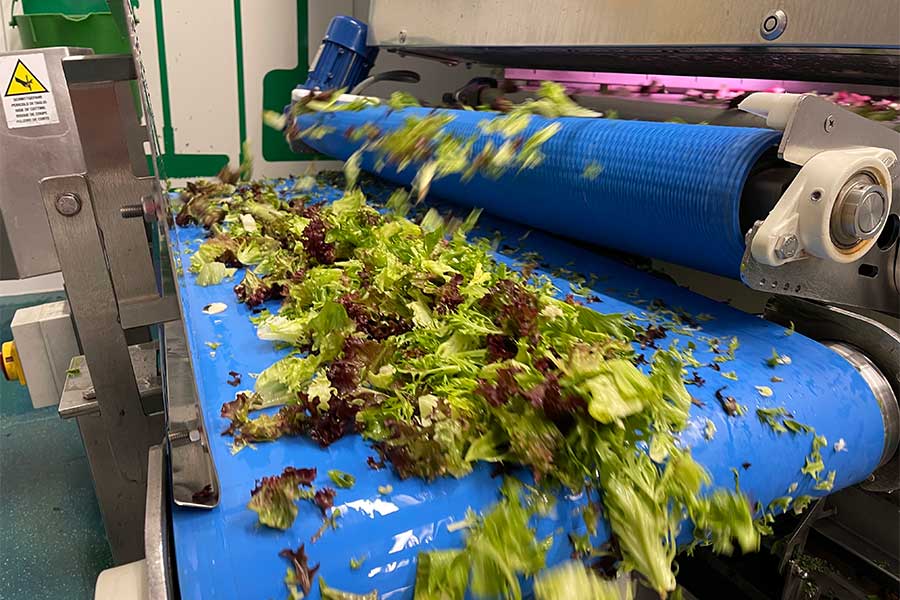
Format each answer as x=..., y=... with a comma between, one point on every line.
x=576, y=79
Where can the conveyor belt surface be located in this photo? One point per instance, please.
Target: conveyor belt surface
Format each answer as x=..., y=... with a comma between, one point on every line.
x=666, y=190
x=223, y=553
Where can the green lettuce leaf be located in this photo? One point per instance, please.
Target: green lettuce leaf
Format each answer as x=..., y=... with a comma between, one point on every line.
x=213, y=273
x=573, y=581
x=329, y=593
x=441, y=575
x=281, y=382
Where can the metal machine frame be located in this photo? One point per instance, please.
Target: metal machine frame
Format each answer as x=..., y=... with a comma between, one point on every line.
x=115, y=293
x=829, y=40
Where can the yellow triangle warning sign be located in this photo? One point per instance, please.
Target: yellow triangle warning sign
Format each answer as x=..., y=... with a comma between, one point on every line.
x=23, y=81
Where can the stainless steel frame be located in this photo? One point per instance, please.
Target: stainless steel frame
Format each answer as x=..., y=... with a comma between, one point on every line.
x=117, y=440
x=113, y=290
x=828, y=40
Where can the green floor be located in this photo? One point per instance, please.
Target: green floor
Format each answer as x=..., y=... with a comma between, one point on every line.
x=52, y=543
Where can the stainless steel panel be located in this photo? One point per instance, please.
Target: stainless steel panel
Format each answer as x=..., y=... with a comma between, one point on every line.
x=829, y=23
x=654, y=36
x=27, y=155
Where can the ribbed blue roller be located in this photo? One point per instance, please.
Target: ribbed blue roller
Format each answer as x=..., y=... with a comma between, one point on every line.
x=224, y=554
x=666, y=190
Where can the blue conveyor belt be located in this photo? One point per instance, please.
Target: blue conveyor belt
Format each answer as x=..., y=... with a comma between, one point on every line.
x=665, y=190
x=224, y=554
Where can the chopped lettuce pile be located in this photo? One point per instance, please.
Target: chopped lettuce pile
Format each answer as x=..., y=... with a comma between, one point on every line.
x=416, y=338
x=420, y=341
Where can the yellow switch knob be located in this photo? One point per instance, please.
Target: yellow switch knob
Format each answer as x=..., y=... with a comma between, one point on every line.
x=12, y=367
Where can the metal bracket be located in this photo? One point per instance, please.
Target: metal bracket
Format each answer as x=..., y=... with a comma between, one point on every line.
x=79, y=398
x=812, y=126
x=116, y=439
x=817, y=125
x=194, y=479
x=117, y=172
x=871, y=282
x=139, y=313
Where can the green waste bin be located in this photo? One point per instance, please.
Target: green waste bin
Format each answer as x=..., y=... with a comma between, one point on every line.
x=80, y=23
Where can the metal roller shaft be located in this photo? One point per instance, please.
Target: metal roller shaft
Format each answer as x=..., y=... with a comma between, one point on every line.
x=881, y=389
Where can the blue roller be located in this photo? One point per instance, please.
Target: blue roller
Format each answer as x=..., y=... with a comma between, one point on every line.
x=666, y=190
x=224, y=554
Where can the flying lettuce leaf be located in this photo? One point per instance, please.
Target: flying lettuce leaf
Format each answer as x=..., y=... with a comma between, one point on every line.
x=573, y=581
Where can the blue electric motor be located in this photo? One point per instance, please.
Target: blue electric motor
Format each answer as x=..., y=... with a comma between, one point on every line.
x=343, y=59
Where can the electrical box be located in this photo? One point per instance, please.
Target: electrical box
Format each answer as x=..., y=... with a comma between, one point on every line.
x=46, y=342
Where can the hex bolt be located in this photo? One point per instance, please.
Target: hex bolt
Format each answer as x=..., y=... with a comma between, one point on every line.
x=787, y=246
x=131, y=211
x=829, y=123
x=181, y=434
x=146, y=209
x=68, y=204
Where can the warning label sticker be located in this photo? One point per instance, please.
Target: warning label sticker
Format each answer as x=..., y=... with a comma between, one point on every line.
x=27, y=98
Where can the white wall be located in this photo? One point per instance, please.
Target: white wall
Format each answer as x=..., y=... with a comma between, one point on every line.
x=9, y=38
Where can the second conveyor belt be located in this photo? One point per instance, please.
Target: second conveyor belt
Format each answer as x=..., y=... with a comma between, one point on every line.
x=224, y=553
x=665, y=190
